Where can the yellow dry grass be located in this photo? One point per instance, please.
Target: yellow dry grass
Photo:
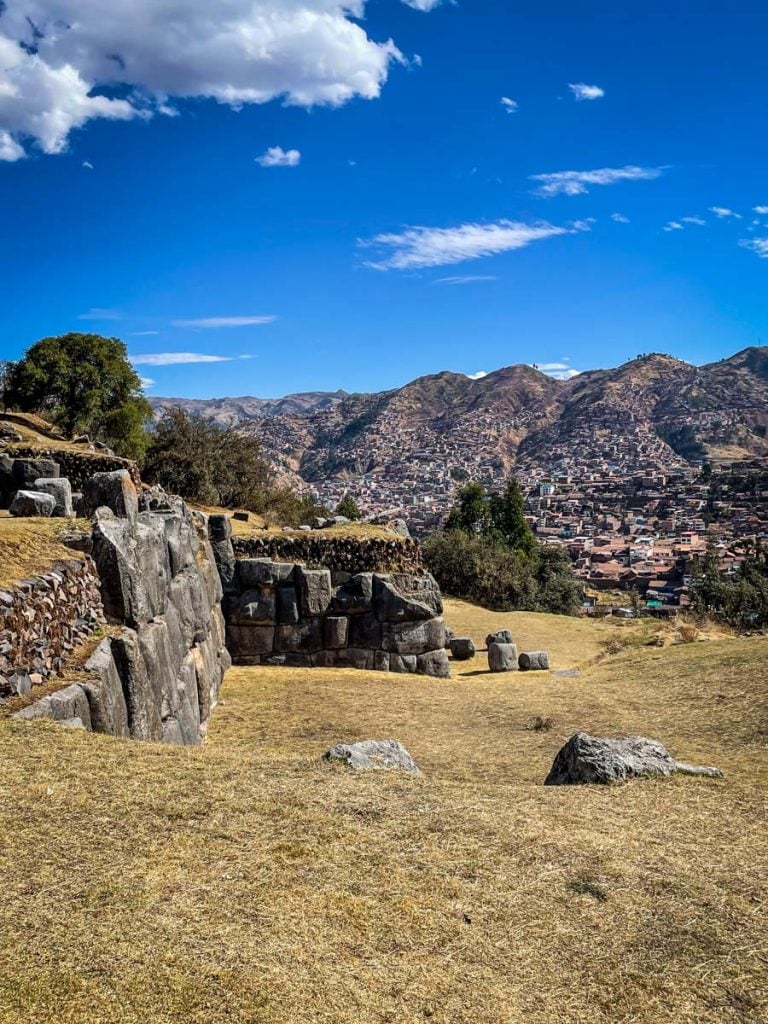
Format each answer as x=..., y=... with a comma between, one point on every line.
x=248, y=881
x=29, y=547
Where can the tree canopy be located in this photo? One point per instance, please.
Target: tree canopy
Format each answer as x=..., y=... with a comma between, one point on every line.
x=83, y=383
x=348, y=507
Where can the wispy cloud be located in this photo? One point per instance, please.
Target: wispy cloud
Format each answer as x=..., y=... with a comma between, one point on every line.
x=225, y=321
x=582, y=91
x=509, y=105
x=147, y=382
x=575, y=183
x=422, y=5
x=142, y=334
x=722, y=212
x=673, y=225
x=97, y=313
x=177, y=359
x=698, y=221
x=756, y=245
x=466, y=279
x=87, y=165
x=560, y=371
x=478, y=375
x=620, y=218
x=276, y=156
x=419, y=247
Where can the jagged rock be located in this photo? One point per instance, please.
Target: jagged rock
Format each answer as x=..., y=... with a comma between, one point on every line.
x=462, y=648
x=590, y=759
x=449, y=636
x=220, y=536
x=32, y=503
x=60, y=490
x=104, y=692
x=386, y=755
x=502, y=657
x=355, y=595
x=9, y=434
x=533, y=661
x=62, y=706
x=339, y=521
x=400, y=527
x=502, y=636
x=115, y=491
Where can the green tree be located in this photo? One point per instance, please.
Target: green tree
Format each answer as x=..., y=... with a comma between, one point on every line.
x=471, y=512
x=348, y=507
x=84, y=384
x=507, y=517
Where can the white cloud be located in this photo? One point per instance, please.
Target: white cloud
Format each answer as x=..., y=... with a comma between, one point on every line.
x=97, y=313
x=177, y=359
x=87, y=165
x=142, y=334
x=586, y=92
x=419, y=247
x=276, y=156
x=673, y=225
x=575, y=183
x=466, y=279
x=756, y=245
x=699, y=221
x=147, y=382
x=56, y=56
x=722, y=212
x=422, y=5
x=620, y=218
x=560, y=371
x=477, y=376
x=509, y=105
x=225, y=321
x=762, y=210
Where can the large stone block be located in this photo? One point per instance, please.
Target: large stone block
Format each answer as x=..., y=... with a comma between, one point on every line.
x=462, y=648
x=406, y=597
x=287, y=606
x=60, y=490
x=104, y=691
x=533, y=661
x=315, y=591
x=123, y=592
x=402, y=662
x=26, y=471
x=355, y=595
x=502, y=657
x=142, y=695
x=357, y=657
x=246, y=641
x=413, y=637
x=306, y=636
x=434, y=663
x=591, y=759
x=113, y=490
x=257, y=606
x=68, y=706
x=335, y=632
x=255, y=572
x=28, y=504
x=364, y=631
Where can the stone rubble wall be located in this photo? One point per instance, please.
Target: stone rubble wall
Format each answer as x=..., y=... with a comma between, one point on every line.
x=338, y=553
x=282, y=613
x=43, y=620
x=76, y=466
x=158, y=677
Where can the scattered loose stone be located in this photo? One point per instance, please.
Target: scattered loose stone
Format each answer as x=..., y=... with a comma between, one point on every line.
x=589, y=759
x=32, y=503
x=502, y=657
x=382, y=755
x=462, y=648
x=533, y=661
x=503, y=636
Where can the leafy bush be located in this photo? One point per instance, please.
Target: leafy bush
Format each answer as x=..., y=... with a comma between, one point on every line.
x=740, y=601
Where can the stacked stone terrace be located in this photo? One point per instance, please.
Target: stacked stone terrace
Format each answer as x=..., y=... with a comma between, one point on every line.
x=283, y=613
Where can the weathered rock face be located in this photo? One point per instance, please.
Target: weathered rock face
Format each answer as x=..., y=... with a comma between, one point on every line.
x=60, y=490
x=502, y=657
x=462, y=648
x=381, y=755
x=284, y=613
x=157, y=677
x=590, y=759
x=32, y=503
x=533, y=661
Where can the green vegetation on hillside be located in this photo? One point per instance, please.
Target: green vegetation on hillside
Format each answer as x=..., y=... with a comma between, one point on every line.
x=488, y=554
x=83, y=383
x=741, y=600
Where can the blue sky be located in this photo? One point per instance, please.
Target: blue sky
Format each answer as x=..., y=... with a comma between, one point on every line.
x=367, y=204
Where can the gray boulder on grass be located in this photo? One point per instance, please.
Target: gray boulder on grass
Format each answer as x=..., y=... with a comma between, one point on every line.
x=32, y=503
x=60, y=490
x=462, y=648
x=502, y=657
x=533, y=661
x=591, y=759
x=387, y=755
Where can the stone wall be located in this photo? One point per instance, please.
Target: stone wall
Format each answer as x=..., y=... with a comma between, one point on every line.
x=320, y=550
x=76, y=466
x=43, y=620
x=158, y=676
x=282, y=613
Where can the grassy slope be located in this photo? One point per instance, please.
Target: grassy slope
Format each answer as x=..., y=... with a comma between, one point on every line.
x=250, y=882
x=29, y=547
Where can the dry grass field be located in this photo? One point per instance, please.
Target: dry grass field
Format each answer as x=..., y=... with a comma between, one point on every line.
x=29, y=547
x=248, y=881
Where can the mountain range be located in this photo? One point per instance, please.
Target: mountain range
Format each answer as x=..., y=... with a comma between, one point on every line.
x=661, y=410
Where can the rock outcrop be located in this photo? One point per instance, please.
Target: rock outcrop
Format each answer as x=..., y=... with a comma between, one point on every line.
x=381, y=755
x=589, y=759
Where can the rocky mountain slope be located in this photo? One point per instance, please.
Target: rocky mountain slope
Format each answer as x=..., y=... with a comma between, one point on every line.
x=660, y=410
